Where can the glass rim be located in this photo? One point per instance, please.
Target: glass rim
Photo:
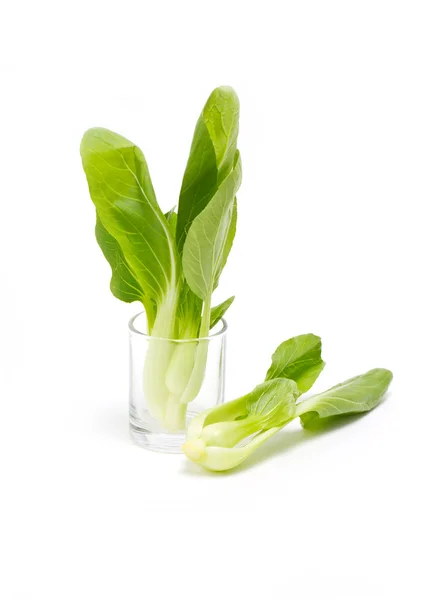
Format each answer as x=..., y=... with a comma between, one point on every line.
x=146, y=336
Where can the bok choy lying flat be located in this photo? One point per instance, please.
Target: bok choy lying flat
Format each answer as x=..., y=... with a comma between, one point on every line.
x=170, y=262
x=223, y=437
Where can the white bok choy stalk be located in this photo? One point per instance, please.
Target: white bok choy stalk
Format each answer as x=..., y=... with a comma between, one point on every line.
x=213, y=436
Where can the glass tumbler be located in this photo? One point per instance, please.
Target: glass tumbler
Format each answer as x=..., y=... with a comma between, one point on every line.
x=171, y=381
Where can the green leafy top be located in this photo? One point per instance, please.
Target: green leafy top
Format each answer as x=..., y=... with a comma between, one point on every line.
x=210, y=237
x=356, y=395
x=140, y=242
x=273, y=401
x=122, y=191
x=211, y=158
x=218, y=311
x=124, y=284
x=298, y=358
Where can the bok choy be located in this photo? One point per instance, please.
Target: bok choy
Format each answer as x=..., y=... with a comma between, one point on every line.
x=170, y=262
x=223, y=437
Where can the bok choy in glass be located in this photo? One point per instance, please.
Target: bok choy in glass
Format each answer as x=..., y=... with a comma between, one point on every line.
x=170, y=262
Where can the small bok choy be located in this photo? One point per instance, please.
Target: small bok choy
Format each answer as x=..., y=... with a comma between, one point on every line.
x=223, y=437
x=171, y=262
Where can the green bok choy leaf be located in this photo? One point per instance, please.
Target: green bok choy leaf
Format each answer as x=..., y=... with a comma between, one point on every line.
x=356, y=395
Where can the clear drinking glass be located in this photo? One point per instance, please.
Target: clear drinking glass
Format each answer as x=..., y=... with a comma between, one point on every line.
x=150, y=412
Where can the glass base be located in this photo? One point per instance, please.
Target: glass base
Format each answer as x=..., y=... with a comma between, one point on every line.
x=143, y=435
x=159, y=442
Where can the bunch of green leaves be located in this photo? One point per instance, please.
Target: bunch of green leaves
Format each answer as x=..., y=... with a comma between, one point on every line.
x=171, y=262
x=223, y=437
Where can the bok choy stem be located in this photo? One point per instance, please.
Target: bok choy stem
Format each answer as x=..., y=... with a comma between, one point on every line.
x=199, y=368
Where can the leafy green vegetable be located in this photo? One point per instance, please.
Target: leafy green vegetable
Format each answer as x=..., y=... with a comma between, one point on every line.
x=218, y=311
x=123, y=285
x=222, y=438
x=212, y=439
x=270, y=404
x=144, y=246
x=122, y=192
x=356, y=395
x=211, y=157
x=171, y=217
x=205, y=248
x=264, y=401
x=299, y=358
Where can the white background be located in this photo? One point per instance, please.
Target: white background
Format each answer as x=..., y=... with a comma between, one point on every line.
x=328, y=241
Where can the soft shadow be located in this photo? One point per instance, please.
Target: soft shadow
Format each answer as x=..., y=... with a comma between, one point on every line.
x=191, y=469
x=283, y=442
x=286, y=440
x=113, y=422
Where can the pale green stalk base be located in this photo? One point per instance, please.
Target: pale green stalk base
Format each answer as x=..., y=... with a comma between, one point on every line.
x=157, y=360
x=212, y=436
x=216, y=458
x=180, y=368
x=197, y=375
x=199, y=369
x=175, y=414
x=173, y=373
